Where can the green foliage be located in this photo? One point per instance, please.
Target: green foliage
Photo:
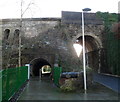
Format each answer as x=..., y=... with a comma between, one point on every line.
x=113, y=53
x=108, y=18
x=111, y=43
x=89, y=70
x=46, y=68
x=68, y=86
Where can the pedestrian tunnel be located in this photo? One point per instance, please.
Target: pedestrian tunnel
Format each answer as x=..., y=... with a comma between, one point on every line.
x=92, y=51
x=39, y=67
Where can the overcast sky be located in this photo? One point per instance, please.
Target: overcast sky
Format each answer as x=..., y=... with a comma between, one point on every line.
x=53, y=8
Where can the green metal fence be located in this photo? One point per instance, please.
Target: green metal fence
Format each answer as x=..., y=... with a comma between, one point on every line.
x=12, y=80
x=0, y=85
x=56, y=75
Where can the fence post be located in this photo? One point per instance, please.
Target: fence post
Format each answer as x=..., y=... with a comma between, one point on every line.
x=56, y=75
x=28, y=65
x=40, y=73
x=7, y=84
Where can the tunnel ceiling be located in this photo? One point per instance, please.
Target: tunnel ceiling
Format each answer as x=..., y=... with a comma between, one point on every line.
x=90, y=43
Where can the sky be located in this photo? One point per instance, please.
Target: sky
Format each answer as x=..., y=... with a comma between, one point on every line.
x=52, y=8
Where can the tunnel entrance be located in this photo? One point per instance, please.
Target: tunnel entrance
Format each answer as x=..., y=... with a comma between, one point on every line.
x=92, y=52
x=41, y=67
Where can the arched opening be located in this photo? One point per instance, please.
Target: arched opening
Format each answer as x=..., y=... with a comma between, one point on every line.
x=16, y=33
x=40, y=66
x=46, y=69
x=6, y=34
x=92, y=52
x=91, y=43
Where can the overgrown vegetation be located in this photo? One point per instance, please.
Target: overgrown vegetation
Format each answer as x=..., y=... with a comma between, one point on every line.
x=111, y=41
x=73, y=84
x=68, y=86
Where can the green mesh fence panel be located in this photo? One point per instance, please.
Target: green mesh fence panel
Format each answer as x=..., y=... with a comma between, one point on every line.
x=56, y=75
x=12, y=80
x=0, y=85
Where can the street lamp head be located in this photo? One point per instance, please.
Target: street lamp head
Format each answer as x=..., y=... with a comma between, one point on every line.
x=78, y=48
x=86, y=9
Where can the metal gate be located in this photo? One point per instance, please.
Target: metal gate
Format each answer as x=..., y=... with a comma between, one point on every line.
x=56, y=75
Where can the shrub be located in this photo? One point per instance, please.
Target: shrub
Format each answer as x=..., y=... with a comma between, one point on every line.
x=68, y=86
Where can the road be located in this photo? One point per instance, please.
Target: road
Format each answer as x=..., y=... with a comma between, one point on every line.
x=37, y=89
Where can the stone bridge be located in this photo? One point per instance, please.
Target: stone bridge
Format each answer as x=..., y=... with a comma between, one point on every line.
x=52, y=39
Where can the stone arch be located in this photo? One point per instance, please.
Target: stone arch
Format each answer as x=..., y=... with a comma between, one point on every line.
x=36, y=64
x=6, y=33
x=93, y=46
x=96, y=39
x=16, y=33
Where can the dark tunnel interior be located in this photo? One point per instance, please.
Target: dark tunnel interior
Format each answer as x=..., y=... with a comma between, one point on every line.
x=90, y=43
x=37, y=64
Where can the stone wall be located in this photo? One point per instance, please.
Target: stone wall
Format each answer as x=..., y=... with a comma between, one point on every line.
x=45, y=37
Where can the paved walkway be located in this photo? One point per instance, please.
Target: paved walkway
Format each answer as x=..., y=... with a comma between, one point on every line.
x=37, y=89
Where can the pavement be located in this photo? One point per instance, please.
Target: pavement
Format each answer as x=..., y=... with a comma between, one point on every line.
x=37, y=90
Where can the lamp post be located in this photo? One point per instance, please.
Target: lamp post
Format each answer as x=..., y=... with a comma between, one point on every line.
x=83, y=40
x=78, y=48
